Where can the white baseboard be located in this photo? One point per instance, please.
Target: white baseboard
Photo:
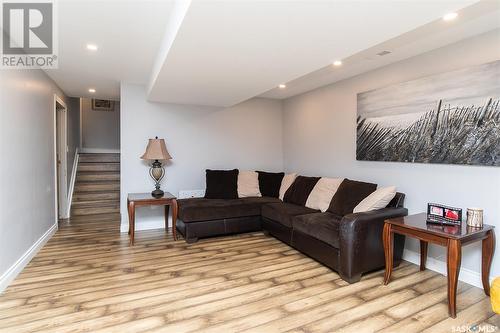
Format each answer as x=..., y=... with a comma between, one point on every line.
x=99, y=151
x=466, y=275
x=18, y=266
x=72, y=184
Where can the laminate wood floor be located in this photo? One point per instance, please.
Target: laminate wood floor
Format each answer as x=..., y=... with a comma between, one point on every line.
x=88, y=279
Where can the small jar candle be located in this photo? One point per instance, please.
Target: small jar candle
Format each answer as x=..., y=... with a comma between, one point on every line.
x=475, y=217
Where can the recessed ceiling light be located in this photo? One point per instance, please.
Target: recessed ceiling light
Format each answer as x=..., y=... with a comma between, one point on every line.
x=337, y=63
x=92, y=47
x=282, y=86
x=450, y=16
x=91, y=90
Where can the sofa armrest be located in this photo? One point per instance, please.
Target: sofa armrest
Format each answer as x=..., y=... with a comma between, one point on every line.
x=360, y=240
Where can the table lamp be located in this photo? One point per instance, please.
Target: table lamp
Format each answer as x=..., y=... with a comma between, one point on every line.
x=156, y=151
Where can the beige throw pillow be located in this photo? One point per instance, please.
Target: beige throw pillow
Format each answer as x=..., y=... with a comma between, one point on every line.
x=248, y=184
x=322, y=193
x=377, y=200
x=287, y=181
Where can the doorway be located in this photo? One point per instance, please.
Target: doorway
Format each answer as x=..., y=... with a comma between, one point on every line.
x=61, y=149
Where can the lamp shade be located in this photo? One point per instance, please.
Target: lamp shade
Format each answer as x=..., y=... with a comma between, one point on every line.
x=156, y=150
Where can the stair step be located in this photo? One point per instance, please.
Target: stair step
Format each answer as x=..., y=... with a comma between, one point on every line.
x=97, y=186
x=99, y=158
x=91, y=176
x=75, y=211
x=98, y=167
x=96, y=196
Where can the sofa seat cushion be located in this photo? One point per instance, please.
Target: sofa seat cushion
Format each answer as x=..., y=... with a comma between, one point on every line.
x=322, y=226
x=283, y=212
x=202, y=209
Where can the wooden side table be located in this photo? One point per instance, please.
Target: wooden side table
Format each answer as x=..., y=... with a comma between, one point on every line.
x=453, y=237
x=146, y=199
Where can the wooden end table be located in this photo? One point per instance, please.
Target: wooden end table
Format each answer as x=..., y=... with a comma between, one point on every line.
x=146, y=199
x=453, y=237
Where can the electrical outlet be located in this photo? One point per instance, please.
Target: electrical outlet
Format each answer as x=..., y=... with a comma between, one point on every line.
x=184, y=194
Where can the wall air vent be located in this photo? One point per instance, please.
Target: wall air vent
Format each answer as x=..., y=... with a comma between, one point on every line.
x=383, y=53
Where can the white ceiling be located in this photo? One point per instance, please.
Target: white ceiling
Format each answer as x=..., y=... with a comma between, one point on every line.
x=128, y=34
x=479, y=18
x=228, y=51
x=219, y=53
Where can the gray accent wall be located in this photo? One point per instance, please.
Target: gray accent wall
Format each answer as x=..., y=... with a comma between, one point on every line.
x=247, y=136
x=27, y=172
x=320, y=139
x=100, y=129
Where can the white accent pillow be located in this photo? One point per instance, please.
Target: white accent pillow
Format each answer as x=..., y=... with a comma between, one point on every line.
x=248, y=184
x=287, y=181
x=377, y=200
x=322, y=193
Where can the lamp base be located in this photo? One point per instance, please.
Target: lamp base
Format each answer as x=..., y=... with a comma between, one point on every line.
x=157, y=193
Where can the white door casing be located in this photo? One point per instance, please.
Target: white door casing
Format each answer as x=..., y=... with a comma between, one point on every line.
x=61, y=148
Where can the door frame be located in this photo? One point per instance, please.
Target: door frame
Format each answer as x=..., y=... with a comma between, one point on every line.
x=61, y=179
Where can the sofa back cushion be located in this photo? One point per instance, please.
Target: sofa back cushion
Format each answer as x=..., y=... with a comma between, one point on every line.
x=376, y=200
x=248, y=184
x=300, y=189
x=322, y=193
x=349, y=194
x=222, y=184
x=270, y=183
x=287, y=181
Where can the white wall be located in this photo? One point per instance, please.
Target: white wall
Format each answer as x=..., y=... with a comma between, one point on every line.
x=320, y=139
x=27, y=196
x=100, y=129
x=246, y=136
x=73, y=123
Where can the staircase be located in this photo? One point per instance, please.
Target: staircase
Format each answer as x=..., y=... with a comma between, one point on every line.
x=97, y=187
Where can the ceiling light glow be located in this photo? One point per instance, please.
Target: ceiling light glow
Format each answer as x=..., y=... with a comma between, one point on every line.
x=91, y=90
x=282, y=86
x=92, y=47
x=337, y=63
x=450, y=16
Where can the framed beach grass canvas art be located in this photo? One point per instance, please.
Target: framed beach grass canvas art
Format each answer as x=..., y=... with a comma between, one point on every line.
x=451, y=118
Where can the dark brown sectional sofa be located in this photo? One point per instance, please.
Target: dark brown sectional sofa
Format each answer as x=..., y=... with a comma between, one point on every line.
x=350, y=244
x=200, y=217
